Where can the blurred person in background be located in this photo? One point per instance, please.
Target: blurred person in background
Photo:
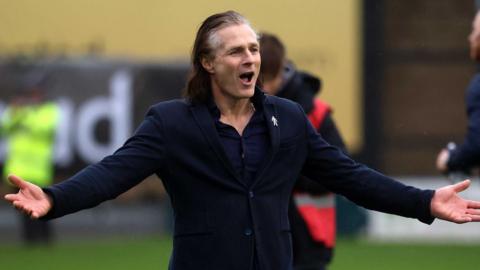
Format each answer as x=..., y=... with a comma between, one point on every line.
x=312, y=208
x=465, y=157
x=229, y=156
x=29, y=125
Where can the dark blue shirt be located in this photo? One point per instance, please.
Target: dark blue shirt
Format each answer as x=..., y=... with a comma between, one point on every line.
x=246, y=152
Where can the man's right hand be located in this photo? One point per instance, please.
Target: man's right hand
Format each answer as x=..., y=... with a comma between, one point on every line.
x=30, y=198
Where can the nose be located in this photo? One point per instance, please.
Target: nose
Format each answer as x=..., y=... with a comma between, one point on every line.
x=249, y=57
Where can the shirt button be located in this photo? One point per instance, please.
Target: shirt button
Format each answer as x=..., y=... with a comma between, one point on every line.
x=248, y=232
x=250, y=194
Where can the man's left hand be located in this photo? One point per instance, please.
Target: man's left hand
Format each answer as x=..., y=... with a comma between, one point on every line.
x=446, y=204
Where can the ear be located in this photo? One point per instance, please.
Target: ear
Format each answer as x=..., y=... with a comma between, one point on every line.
x=207, y=64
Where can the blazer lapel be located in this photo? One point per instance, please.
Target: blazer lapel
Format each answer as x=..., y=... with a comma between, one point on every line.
x=273, y=124
x=207, y=126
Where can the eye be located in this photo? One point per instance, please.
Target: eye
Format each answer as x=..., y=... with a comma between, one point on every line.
x=234, y=51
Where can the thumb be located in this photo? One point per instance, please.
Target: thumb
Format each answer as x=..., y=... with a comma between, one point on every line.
x=17, y=181
x=461, y=186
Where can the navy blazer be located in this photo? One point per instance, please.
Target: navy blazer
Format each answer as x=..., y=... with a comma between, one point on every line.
x=219, y=221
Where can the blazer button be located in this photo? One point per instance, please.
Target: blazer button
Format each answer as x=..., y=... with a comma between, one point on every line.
x=250, y=194
x=248, y=232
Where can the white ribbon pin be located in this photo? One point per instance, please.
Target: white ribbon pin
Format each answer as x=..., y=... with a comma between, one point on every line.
x=274, y=121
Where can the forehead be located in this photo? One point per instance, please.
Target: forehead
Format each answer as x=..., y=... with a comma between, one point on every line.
x=236, y=35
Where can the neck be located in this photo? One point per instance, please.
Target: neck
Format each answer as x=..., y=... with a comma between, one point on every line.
x=235, y=112
x=231, y=106
x=234, y=108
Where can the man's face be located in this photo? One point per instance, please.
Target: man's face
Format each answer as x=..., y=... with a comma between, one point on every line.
x=235, y=66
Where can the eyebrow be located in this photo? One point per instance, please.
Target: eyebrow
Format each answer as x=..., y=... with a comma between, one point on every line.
x=252, y=44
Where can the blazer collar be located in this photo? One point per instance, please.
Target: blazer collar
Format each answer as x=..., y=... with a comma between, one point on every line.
x=273, y=124
x=206, y=123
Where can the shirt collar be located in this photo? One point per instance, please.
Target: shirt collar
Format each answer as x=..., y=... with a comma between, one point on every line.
x=256, y=99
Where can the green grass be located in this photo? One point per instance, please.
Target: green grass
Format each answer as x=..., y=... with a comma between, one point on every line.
x=119, y=254
x=153, y=253
x=366, y=255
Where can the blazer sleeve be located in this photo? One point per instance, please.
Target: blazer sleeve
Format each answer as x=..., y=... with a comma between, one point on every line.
x=362, y=185
x=142, y=155
x=331, y=135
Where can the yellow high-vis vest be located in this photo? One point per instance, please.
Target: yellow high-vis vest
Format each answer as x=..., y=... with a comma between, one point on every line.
x=30, y=133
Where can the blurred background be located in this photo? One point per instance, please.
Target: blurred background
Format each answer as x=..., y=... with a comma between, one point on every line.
x=394, y=72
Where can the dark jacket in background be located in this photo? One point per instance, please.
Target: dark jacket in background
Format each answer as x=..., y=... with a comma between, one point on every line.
x=309, y=253
x=467, y=155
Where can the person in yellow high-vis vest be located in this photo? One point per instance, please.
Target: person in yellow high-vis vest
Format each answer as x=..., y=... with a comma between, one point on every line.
x=29, y=126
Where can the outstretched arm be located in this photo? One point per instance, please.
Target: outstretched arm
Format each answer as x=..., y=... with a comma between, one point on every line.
x=375, y=191
x=30, y=199
x=142, y=155
x=446, y=204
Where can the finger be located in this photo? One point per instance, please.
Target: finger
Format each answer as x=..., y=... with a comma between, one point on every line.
x=473, y=204
x=461, y=186
x=475, y=218
x=11, y=197
x=22, y=208
x=17, y=181
x=25, y=211
x=473, y=212
x=18, y=206
x=463, y=219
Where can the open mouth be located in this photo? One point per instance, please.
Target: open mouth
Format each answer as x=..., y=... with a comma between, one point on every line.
x=247, y=76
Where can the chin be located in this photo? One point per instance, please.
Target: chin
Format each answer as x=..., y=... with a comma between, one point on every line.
x=249, y=92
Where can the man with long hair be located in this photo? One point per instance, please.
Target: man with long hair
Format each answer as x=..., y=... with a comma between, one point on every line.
x=228, y=156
